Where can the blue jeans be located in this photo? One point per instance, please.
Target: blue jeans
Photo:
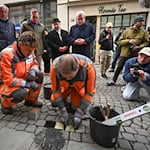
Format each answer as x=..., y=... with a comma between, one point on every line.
x=132, y=90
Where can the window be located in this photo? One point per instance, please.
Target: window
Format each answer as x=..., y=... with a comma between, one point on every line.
x=120, y=20
x=19, y=13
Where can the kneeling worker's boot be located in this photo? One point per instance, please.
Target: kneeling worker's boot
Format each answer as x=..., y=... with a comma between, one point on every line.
x=7, y=111
x=33, y=104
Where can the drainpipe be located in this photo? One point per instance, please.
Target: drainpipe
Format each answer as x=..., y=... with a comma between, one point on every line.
x=42, y=10
x=97, y=37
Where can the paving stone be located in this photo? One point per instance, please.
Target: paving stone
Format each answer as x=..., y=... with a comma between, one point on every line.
x=81, y=129
x=39, y=129
x=72, y=145
x=128, y=136
x=34, y=113
x=52, y=118
x=124, y=144
x=15, y=140
x=147, y=146
x=25, y=114
x=43, y=116
x=3, y=123
x=130, y=130
x=23, y=119
x=21, y=127
x=139, y=146
x=142, y=132
x=75, y=136
x=12, y=124
x=66, y=135
x=1, y=116
x=86, y=138
x=31, y=121
x=141, y=139
x=17, y=113
x=87, y=130
x=135, y=126
x=8, y=117
x=30, y=128
x=16, y=118
x=40, y=123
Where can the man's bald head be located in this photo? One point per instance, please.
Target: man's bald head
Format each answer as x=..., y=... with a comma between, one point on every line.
x=68, y=64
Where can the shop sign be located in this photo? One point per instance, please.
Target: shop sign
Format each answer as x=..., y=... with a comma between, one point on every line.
x=119, y=9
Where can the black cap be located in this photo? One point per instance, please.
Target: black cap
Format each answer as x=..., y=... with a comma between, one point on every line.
x=55, y=20
x=138, y=19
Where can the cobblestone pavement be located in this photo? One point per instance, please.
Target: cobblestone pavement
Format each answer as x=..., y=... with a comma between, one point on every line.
x=34, y=135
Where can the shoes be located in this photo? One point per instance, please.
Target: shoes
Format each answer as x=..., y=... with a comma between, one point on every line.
x=111, y=83
x=104, y=76
x=33, y=104
x=111, y=70
x=7, y=111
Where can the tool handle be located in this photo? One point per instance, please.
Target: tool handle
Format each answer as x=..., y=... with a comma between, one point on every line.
x=107, y=111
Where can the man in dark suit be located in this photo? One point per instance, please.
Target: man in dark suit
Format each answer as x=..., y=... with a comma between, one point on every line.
x=57, y=40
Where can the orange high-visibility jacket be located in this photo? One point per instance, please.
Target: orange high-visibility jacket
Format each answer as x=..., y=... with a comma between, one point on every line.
x=14, y=68
x=84, y=82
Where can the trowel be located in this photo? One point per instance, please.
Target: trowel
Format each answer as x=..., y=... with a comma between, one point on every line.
x=119, y=119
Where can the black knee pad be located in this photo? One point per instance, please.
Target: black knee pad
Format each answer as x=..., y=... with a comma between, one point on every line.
x=19, y=95
x=39, y=77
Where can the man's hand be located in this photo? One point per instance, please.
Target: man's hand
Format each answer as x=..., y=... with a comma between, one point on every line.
x=31, y=76
x=33, y=85
x=141, y=74
x=79, y=41
x=63, y=115
x=136, y=48
x=132, y=41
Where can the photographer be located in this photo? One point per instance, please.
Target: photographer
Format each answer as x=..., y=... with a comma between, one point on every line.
x=131, y=42
x=137, y=75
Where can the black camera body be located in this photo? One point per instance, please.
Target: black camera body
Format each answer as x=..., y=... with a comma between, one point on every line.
x=131, y=46
x=136, y=67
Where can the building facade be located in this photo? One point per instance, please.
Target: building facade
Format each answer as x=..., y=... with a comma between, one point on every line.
x=20, y=10
x=98, y=12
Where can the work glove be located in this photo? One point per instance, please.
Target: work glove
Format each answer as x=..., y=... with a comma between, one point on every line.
x=33, y=85
x=31, y=75
x=63, y=115
x=77, y=118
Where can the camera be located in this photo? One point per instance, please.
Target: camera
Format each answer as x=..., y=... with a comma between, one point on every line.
x=136, y=67
x=131, y=46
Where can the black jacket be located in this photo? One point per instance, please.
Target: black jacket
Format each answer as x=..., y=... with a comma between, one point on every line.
x=54, y=42
x=106, y=44
x=86, y=32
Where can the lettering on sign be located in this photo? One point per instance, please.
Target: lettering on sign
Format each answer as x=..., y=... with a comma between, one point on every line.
x=119, y=9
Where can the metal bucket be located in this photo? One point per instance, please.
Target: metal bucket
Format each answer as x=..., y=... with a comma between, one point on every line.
x=47, y=91
x=103, y=135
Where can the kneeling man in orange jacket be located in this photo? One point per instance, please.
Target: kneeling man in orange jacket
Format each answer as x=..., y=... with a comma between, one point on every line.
x=72, y=76
x=20, y=77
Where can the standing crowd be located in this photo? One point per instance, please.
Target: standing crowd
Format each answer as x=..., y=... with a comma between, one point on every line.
x=72, y=74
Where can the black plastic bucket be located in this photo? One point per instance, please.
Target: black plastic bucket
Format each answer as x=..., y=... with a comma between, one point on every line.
x=47, y=91
x=103, y=135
